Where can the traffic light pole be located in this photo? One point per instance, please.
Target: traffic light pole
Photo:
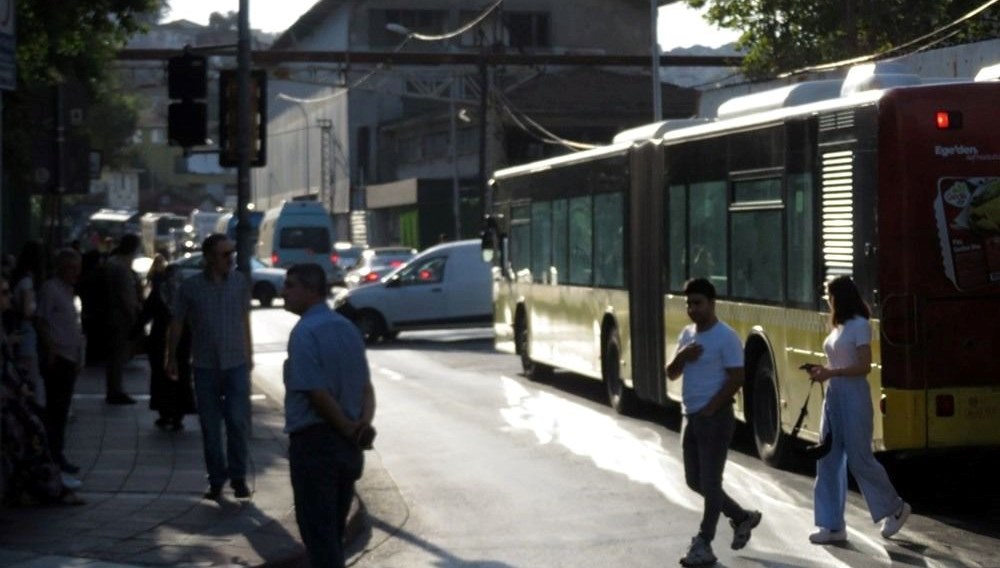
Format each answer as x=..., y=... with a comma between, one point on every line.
x=243, y=231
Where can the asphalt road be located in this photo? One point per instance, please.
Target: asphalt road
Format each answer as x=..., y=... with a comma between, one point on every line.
x=490, y=469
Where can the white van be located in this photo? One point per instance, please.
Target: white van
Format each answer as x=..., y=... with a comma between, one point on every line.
x=445, y=286
x=296, y=232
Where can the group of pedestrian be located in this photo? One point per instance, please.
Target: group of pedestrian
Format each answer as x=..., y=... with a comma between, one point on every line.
x=709, y=355
x=41, y=344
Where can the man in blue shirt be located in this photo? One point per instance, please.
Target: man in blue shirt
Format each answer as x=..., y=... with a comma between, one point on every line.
x=329, y=406
x=710, y=356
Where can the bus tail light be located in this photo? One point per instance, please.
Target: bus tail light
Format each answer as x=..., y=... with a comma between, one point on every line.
x=948, y=120
x=944, y=405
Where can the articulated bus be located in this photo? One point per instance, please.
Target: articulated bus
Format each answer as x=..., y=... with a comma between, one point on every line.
x=898, y=187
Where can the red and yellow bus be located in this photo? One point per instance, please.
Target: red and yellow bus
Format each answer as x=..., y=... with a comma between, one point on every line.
x=898, y=187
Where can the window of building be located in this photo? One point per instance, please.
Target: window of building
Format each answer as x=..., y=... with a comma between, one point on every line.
x=519, y=30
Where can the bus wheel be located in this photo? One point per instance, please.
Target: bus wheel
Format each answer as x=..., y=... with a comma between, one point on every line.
x=621, y=399
x=371, y=325
x=771, y=442
x=532, y=370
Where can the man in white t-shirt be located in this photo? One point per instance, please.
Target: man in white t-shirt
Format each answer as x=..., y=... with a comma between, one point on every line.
x=710, y=356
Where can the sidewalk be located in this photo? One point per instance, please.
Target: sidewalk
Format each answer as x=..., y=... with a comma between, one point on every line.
x=143, y=490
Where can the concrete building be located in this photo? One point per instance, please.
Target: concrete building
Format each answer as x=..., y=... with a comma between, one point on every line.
x=394, y=151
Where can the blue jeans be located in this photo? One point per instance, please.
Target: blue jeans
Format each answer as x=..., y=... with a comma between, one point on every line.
x=848, y=415
x=705, y=441
x=224, y=394
x=323, y=468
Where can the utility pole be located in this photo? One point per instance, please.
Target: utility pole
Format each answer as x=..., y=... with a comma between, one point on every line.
x=243, y=231
x=655, y=69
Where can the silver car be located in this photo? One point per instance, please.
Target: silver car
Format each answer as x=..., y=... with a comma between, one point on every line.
x=267, y=281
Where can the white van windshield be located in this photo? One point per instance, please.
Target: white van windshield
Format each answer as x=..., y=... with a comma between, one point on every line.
x=316, y=239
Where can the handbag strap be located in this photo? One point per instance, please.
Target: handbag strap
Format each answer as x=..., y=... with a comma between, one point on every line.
x=804, y=411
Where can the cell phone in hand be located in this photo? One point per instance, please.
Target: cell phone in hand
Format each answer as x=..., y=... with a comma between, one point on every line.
x=808, y=367
x=366, y=437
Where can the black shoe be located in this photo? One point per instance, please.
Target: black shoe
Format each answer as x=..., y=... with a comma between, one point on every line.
x=240, y=489
x=214, y=493
x=69, y=468
x=120, y=398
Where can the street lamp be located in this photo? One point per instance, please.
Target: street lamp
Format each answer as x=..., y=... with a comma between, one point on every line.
x=305, y=121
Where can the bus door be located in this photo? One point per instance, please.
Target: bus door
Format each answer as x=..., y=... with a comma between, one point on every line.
x=939, y=227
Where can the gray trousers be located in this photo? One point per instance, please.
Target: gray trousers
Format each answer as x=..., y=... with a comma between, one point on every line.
x=705, y=441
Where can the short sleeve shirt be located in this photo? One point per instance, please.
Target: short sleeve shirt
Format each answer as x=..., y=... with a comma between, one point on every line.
x=217, y=314
x=706, y=375
x=841, y=346
x=57, y=309
x=325, y=351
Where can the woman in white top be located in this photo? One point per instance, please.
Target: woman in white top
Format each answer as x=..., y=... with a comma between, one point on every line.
x=28, y=277
x=848, y=415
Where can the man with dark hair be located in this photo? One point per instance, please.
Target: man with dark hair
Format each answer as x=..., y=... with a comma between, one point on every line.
x=124, y=298
x=329, y=406
x=710, y=356
x=216, y=306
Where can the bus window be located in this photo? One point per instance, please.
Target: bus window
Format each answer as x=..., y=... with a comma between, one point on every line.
x=520, y=239
x=541, y=241
x=800, y=215
x=581, y=235
x=676, y=245
x=560, y=239
x=707, y=209
x=757, y=244
x=609, y=253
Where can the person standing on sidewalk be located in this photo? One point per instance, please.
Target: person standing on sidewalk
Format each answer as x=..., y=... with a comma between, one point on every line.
x=329, y=406
x=216, y=306
x=710, y=356
x=124, y=305
x=61, y=342
x=848, y=417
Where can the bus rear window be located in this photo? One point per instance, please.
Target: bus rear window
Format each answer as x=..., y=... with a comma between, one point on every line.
x=316, y=239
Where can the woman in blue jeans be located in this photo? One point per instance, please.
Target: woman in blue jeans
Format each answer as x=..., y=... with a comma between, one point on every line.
x=848, y=416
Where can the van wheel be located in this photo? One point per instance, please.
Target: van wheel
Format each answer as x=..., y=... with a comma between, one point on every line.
x=371, y=324
x=522, y=337
x=772, y=443
x=265, y=294
x=621, y=398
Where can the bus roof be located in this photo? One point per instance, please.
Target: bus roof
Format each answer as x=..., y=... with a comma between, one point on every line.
x=585, y=155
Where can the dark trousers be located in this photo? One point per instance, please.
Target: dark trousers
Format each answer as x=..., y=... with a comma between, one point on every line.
x=60, y=378
x=119, y=353
x=705, y=441
x=323, y=469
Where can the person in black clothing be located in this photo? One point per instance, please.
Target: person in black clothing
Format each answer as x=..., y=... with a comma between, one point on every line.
x=171, y=398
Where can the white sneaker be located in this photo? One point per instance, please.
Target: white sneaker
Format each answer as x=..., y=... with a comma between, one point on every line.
x=827, y=536
x=70, y=482
x=895, y=522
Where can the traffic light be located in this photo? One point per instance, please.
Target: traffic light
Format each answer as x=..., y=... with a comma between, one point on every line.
x=229, y=118
x=187, y=120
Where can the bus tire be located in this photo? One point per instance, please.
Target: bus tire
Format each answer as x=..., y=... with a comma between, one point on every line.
x=371, y=324
x=531, y=369
x=771, y=442
x=620, y=397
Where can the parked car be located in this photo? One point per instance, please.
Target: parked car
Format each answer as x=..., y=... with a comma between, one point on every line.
x=376, y=263
x=446, y=286
x=267, y=281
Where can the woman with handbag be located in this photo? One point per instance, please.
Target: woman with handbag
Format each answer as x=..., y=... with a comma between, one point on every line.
x=848, y=420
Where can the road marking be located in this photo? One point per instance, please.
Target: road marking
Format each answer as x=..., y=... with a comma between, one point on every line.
x=390, y=374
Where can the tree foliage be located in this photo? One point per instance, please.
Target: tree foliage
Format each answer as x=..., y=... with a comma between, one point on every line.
x=74, y=41
x=784, y=35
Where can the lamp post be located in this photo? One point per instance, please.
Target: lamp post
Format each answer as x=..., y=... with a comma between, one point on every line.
x=305, y=122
